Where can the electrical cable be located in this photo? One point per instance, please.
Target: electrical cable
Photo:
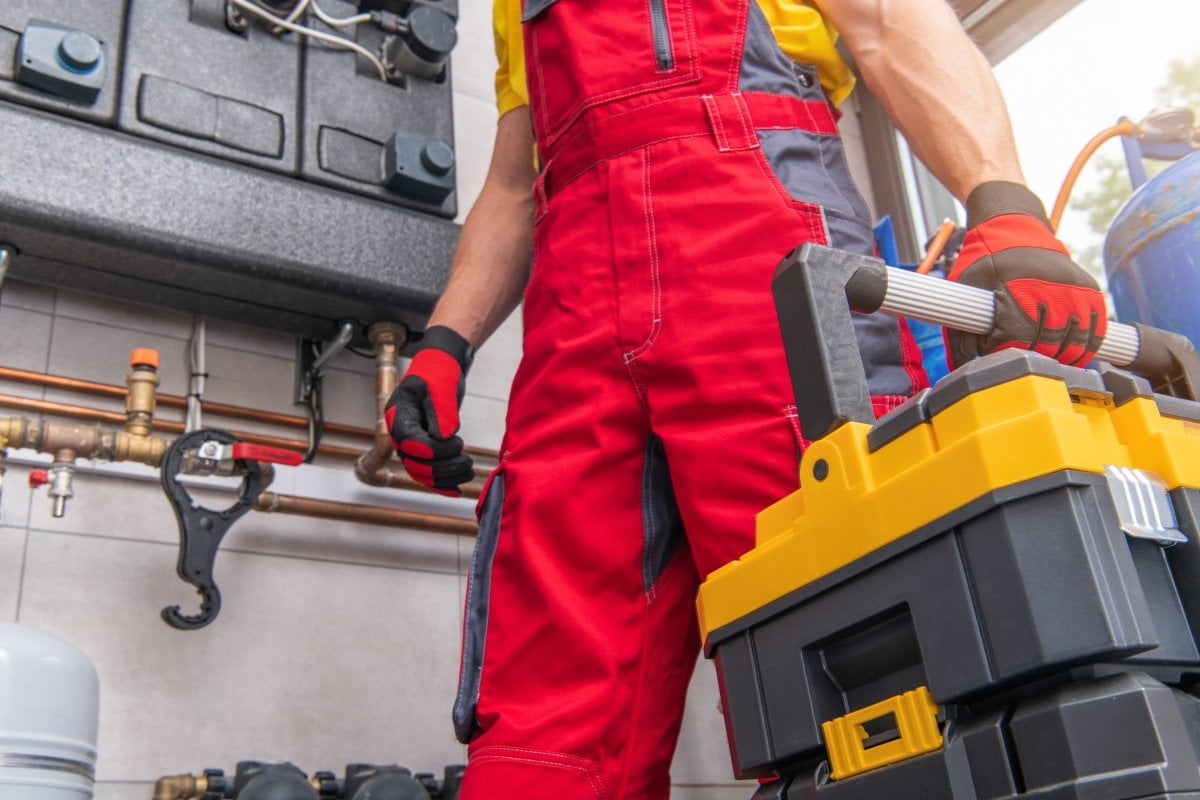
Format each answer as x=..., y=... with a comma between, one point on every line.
x=292, y=16
x=297, y=10
x=195, y=398
x=336, y=22
x=329, y=38
x=316, y=411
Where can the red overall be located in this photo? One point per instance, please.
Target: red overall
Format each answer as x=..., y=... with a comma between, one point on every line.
x=652, y=416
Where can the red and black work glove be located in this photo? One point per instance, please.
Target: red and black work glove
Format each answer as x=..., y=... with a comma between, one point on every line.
x=422, y=414
x=1045, y=302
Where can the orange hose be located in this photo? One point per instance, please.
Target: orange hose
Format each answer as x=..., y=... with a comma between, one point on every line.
x=1064, y=194
x=936, y=246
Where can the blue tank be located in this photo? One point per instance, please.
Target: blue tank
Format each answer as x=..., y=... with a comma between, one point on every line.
x=1152, y=252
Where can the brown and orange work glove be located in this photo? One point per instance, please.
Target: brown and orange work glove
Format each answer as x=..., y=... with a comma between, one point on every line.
x=422, y=414
x=1045, y=302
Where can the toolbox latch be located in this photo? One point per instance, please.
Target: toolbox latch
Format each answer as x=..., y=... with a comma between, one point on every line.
x=1143, y=507
x=915, y=733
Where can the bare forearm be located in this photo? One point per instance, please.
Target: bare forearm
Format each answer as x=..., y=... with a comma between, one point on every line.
x=935, y=84
x=492, y=259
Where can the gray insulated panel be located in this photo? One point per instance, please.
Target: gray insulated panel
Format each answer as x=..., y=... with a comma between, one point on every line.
x=101, y=20
x=352, y=118
x=195, y=81
x=99, y=210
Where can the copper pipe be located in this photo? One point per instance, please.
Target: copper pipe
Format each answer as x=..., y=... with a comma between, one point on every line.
x=271, y=502
x=139, y=452
x=945, y=230
x=180, y=787
x=220, y=409
x=387, y=339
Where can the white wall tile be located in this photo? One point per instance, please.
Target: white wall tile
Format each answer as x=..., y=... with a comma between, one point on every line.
x=110, y=507
x=12, y=560
x=22, y=294
x=19, y=389
x=26, y=340
x=482, y=421
x=250, y=379
x=237, y=336
x=474, y=133
x=320, y=664
x=123, y=314
x=496, y=362
x=106, y=790
x=350, y=398
x=355, y=362
x=98, y=352
x=17, y=496
x=702, y=757
x=474, y=58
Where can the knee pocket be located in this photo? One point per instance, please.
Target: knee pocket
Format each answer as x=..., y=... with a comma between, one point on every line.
x=508, y=773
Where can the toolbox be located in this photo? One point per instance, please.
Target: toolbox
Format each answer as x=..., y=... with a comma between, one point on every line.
x=988, y=593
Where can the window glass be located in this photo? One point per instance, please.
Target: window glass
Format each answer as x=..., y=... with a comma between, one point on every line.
x=1103, y=60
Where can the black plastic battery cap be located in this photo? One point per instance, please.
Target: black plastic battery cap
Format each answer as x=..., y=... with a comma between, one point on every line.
x=79, y=52
x=437, y=157
x=431, y=34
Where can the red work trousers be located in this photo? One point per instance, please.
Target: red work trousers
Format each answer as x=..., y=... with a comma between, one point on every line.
x=652, y=415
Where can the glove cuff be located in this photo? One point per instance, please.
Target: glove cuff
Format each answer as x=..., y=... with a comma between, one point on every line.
x=439, y=337
x=995, y=198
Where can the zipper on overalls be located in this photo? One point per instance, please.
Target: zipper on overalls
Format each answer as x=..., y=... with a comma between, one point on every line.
x=662, y=36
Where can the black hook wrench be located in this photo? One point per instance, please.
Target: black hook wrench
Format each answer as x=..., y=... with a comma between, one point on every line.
x=201, y=529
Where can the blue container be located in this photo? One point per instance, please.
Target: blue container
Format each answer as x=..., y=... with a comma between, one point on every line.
x=1152, y=252
x=928, y=336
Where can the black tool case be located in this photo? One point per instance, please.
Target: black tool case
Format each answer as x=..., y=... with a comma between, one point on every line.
x=991, y=593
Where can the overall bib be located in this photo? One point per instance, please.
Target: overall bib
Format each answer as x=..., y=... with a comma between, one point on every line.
x=652, y=415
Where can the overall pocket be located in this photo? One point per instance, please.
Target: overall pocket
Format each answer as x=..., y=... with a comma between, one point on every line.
x=578, y=58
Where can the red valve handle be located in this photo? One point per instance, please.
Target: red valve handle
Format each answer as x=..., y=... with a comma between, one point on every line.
x=38, y=477
x=276, y=455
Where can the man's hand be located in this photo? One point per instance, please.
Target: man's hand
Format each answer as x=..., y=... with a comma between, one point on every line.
x=1044, y=301
x=422, y=414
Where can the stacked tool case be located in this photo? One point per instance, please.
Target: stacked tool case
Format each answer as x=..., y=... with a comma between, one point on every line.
x=189, y=153
x=989, y=593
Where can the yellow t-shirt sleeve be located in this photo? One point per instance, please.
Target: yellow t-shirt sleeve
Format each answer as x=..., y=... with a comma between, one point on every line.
x=511, y=91
x=802, y=33
x=805, y=36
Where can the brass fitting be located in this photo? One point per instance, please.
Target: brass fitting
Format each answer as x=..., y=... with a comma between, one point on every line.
x=142, y=382
x=62, y=480
x=13, y=431
x=180, y=787
x=122, y=446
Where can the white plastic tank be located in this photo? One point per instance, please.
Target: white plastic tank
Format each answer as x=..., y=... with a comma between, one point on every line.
x=49, y=705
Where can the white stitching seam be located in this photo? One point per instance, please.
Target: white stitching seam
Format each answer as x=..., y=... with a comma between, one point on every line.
x=586, y=766
x=655, y=286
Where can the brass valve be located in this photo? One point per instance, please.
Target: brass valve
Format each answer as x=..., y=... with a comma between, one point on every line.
x=142, y=382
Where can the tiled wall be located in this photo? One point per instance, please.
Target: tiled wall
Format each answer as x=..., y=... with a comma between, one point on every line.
x=337, y=642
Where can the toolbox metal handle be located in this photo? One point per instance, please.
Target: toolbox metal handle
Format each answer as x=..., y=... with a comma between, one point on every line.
x=815, y=287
